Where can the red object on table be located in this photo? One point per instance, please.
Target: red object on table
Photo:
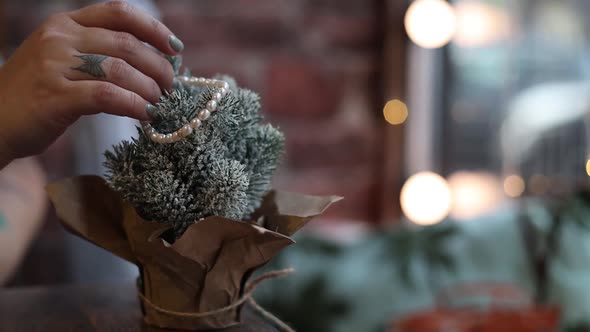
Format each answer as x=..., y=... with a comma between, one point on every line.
x=509, y=310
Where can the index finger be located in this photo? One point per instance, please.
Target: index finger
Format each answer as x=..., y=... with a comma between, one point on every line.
x=122, y=16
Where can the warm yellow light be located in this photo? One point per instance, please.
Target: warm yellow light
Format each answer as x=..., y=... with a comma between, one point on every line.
x=538, y=184
x=430, y=23
x=425, y=198
x=514, y=185
x=588, y=167
x=395, y=112
x=480, y=24
x=474, y=194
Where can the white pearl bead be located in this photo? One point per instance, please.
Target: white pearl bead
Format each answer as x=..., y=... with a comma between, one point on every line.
x=221, y=88
x=217, y=96
x=186, y=130
x=212, y=105
x=204, y=114
x=195, y=123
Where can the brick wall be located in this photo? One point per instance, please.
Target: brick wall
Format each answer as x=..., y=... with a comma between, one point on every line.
x=316, y=65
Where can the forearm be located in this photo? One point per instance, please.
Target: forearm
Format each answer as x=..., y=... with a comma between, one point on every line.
x=22, y=207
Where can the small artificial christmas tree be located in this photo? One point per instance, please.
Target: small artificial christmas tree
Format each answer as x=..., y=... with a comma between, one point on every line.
x=223, y=169
x=192, y=206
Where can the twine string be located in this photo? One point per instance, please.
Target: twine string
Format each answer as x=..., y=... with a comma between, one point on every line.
x=246, y=297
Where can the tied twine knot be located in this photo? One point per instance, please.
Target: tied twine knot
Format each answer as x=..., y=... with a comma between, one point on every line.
x=246, y=297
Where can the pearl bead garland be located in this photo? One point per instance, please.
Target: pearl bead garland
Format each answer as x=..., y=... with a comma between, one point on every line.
x=221, y=88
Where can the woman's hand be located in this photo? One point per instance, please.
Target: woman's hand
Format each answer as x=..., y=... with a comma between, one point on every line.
x=83, y=62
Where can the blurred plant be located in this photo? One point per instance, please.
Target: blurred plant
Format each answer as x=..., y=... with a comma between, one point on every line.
x=308, y=302
x=429, y=243
x=223, y=169
x=316, y=310
x=543, y=246
x=577, y=327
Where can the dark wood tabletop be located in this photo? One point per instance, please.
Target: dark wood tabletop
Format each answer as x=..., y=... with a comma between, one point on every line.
x=90, y=308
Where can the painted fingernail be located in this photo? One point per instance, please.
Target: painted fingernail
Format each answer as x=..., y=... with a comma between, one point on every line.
x=151, y=110
x=176, y=43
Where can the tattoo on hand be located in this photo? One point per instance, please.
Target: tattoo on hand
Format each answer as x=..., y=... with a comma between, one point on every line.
x=91, y=65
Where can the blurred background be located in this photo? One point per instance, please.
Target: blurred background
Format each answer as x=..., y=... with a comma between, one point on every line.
x=456, y=131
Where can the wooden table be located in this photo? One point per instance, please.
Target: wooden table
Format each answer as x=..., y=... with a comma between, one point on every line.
x=91, y=308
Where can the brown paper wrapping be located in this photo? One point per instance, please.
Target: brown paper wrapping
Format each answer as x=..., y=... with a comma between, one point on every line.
x=206, y=269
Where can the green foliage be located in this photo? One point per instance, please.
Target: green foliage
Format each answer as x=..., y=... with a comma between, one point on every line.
x=577, y=327
x=407, y=244
x=315, y=308
x=305, y=300
x=224, y=168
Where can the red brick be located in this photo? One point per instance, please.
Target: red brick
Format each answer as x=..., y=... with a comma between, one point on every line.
x=328, y=30
x=231, y=9
x=264, y=32
x=245, y=67
x=198, y=32
x=299, y=88
x=345, y=7
x=246, y=23
x=328, y=144
x=259, y=33
x=357, y=185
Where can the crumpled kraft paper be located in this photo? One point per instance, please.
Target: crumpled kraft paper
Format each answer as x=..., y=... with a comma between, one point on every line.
x=206, y=269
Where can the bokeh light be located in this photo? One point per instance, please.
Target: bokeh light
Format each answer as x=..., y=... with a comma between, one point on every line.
x=426, y=198
x=480, y=24
x=588, y=167
x=430, y=23
x=474, y=194
x=514, y=185
x=395, y=112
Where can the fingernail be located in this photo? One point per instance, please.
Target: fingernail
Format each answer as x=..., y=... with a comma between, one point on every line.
x=176, y=43
x=151, y=110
